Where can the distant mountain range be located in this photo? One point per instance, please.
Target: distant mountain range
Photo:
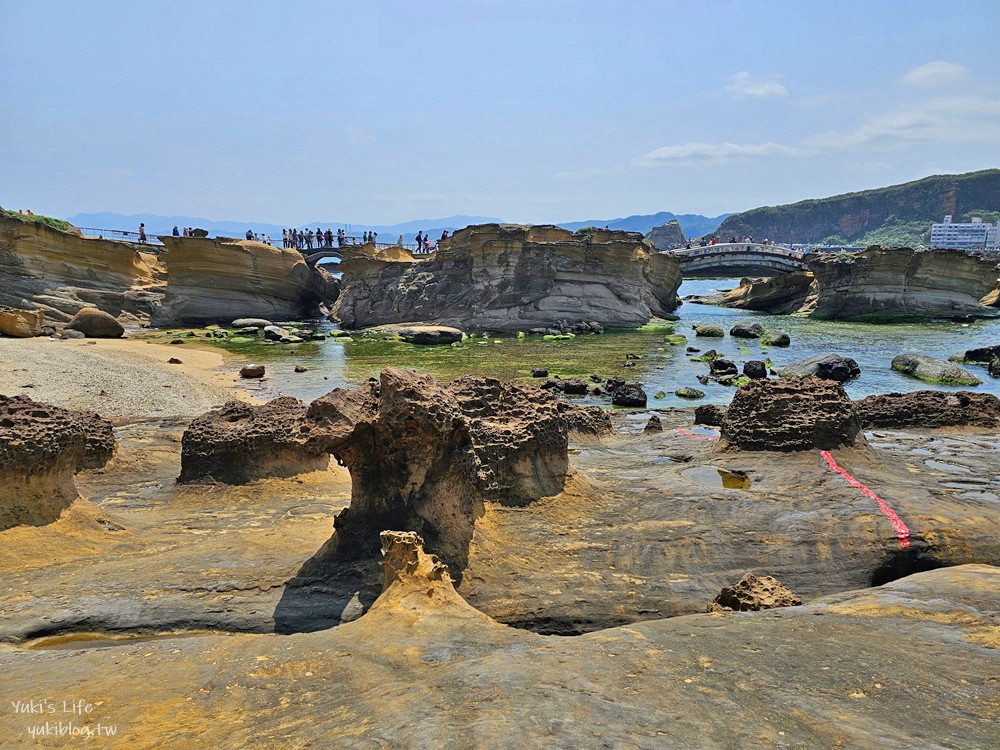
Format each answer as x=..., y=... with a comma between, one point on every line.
x=693, y=225
x=897, y=215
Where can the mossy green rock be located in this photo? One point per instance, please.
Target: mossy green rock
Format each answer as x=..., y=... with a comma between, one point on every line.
x=675, y=340
x=932, y=370
x=689, y=393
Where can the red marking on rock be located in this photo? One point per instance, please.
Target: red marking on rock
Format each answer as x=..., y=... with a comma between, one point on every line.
x=691, y=435
x=902, y=533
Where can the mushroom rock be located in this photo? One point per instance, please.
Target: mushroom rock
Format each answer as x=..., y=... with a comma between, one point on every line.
x=752, y=593
x=791, y=414
x=928, y=409
x=41, y=447
x=239, y=442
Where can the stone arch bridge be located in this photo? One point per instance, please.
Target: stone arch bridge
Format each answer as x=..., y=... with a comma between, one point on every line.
x=737, y=259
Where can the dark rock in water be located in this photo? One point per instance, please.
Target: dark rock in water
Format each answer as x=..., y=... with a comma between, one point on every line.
x=41, y=447
x=927, y=409
x=791, y=414
x=933, y=370
x=994, y=367
x=826, y=366
x=660, y=394
x=539, y=372
x=751, y=594
x=775, y=338
x=745, y=330
x=96, y=324
x=709, y=414
x=596, y=379
x=275, y=333
x=722, y=367
x=710, y=356
x=703, y=379
x=689, y=393
x=653, y=425
x=629, y=394
x=692, y=350
x=630, y=355
x=574, y=387
x=536, y=331
x=251, y=323
x=630, y=363
x=430, y=335
x=709, y=331
x=613, y=383
x=755, y=369
x=301, y=368
x=984, y=354
x=596, y=391
x=252, y=371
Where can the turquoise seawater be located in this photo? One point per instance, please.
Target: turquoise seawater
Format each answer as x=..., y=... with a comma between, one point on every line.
x=660, y=367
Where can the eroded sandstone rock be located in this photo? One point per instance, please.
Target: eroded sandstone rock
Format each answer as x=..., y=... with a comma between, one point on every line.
x=96, y=324
x=929, y=409
x=752, y=593
x=19, y=323
x=790, y=414
x=41, y=447
x=239, y=442
x=503, y=277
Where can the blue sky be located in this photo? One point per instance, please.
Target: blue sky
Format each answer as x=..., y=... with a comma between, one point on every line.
x=532, y=111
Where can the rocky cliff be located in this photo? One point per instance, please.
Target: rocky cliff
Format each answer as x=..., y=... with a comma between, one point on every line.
x=667, y=237
x=900, y=214
x=878, y=285
x=504, y=277
x=899, y=283
x=61, y=272
x=212, y=280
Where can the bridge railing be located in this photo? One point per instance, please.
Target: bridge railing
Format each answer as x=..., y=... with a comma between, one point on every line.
x=122, y=236
x=737, y=247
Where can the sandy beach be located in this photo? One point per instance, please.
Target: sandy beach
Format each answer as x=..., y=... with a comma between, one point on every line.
x=117, y=378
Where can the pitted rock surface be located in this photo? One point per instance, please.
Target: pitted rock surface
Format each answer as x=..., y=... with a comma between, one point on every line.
x=41, y=447
x=791, y=414
x=752, y=593
x=239, y=442
x=585, y=420
x=923, y=409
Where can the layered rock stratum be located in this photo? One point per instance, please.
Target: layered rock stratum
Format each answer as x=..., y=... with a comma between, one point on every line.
x=212, y=280
x=61, y=272
x=880, y=285
x=504, y=277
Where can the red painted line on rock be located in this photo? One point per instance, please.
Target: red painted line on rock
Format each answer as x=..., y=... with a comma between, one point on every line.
x=902, y=533
x=691, y=435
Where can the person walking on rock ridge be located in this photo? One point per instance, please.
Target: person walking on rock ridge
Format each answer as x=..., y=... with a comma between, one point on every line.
x=142, y=233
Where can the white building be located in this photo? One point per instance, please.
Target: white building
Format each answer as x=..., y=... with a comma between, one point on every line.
x=975, y=235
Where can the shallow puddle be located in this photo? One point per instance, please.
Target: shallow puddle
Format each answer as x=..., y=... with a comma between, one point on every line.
x=707, y=431
x=80, y=641
x=710, y=476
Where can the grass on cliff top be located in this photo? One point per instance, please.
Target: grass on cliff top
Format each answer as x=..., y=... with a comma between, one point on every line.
x=47, y=220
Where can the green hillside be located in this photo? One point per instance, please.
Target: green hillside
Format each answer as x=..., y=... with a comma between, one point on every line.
x=896, y=215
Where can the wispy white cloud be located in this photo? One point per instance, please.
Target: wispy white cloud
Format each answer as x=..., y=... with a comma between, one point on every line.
x=713, y=153
x=582, y=174
x=744, y=86
x=936, y=73
x=949, y=120
x=358, y=135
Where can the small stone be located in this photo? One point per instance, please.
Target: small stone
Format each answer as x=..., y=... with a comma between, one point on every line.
x=755, y=369
x=300, y=368
x=539, y=372
x=660, y=394
x=174, y=361
x=653, y=425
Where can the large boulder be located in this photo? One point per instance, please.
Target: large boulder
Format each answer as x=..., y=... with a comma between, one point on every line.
x=712, y=332
x=791, y=414
x=983, y=355
x=755, y=369
x=752, y=593
x=430, y=335
x=502, y=277
x=41, y=447
x=21, y=324
x=747, y=330
x=96, y=324
x=629, y=394
x=933, y=370
x=239, y=442
x=826, y=366
x=251, y=323
x=928, y=409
